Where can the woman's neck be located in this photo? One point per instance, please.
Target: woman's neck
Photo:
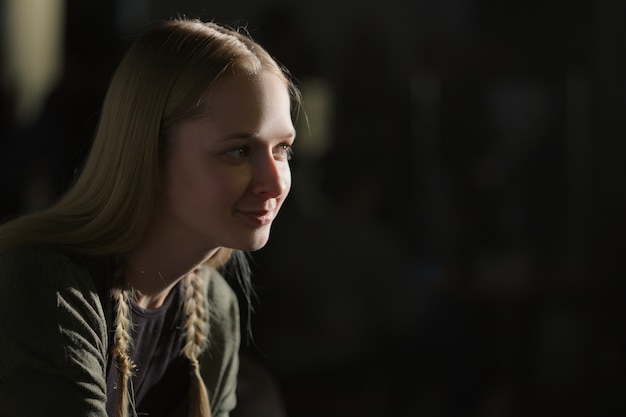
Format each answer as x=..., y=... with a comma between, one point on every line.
x=155, y=266
x=150, y=287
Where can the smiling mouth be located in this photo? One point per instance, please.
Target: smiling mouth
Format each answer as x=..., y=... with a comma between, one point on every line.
x=258, y=218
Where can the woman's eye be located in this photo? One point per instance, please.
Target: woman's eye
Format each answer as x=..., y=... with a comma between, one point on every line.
x=238, y=153
x=283, y=152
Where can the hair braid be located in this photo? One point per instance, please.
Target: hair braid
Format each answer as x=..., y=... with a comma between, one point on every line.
x=196, y=309
x=121, y=344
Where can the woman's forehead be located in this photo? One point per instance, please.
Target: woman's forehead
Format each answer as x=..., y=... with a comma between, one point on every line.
x=245, y=91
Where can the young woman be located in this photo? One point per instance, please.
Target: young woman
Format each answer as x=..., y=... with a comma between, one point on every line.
x=111, y=301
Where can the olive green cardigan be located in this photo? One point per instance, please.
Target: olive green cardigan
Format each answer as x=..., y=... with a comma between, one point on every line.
x=54, y=322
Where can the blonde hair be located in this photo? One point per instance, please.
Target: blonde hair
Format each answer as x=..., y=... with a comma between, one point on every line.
x=159, y=82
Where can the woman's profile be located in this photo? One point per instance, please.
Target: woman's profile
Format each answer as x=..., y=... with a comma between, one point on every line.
x=113, y=301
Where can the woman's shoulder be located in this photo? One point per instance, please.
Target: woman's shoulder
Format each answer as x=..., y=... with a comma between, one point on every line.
x=220, y=295
x=31, y=262
x=39, y=268
x=223, y=307
x=48, y=282
x=51, y=316
x=219, y=363
x=23, y=254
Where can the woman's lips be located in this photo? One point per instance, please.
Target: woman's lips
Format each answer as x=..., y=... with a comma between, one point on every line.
x=257, y=217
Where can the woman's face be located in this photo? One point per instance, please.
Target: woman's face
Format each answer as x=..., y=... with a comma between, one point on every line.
x=228, y=173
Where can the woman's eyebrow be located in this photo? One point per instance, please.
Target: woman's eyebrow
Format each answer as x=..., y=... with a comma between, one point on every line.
x=239, y=136
x=255, y=136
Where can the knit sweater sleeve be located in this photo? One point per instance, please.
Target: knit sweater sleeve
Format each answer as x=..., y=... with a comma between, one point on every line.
x=53, y=337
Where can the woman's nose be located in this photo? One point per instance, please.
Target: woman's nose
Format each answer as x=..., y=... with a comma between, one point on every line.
x=271, y=177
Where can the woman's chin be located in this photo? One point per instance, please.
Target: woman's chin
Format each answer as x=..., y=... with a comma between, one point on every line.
x=258, y=242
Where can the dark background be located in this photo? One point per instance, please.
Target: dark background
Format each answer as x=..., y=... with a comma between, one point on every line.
x=453, y=244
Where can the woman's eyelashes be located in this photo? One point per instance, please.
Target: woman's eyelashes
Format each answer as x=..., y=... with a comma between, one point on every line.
x=240, y=152
x=282, y=152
